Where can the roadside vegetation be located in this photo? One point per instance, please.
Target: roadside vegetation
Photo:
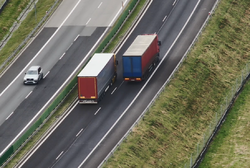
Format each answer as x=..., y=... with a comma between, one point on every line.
x=231, y=147
x=72, y=96
x=10, y=14
x=175, y=124
x=1, y=2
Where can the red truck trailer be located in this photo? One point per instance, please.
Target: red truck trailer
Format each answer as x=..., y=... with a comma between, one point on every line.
x=96, y=78
x=141, y=56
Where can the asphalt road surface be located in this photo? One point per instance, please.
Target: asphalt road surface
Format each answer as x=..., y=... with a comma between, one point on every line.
x=66, y=40
x=85, y=137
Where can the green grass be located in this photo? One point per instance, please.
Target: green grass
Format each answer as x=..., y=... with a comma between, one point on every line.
x=72, y=96
x=126, y=26
x=10, y=14
x=1, y=2
x=61, y=109
x=175, y=124
x=230, y=147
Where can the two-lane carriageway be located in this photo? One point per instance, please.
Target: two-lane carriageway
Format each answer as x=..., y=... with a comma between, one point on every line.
x=67, y=39
x=89, y=132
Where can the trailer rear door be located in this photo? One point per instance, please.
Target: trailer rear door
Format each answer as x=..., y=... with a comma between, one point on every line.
x=132, y=66
x=87, y=88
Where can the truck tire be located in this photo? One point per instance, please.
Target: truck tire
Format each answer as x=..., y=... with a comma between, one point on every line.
x=158, y=59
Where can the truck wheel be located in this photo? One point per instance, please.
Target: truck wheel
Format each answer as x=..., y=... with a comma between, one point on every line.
x=158, y=60
x=143, y=77
x=41, y=77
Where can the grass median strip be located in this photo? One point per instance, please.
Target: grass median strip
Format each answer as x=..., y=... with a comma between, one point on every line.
x=69, y=99
x=175, y=124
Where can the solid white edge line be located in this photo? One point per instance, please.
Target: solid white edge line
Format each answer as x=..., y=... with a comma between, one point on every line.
x=142, y=87
x=24, y=48
x=164, y=18
x=98, y=110
x=117, y=13
x=61, y=56
x=39, y=52
x=174, y=3
x=46, y=75
x=126, y=38
x=88, y=21
x=28, y=94
x=99, y=5
x=59, y=155
x=79, y=132
x=9, y=115
x=80, y=64
x=52, y=130
x=22, y=73
x=114, y=90
x=76, y=37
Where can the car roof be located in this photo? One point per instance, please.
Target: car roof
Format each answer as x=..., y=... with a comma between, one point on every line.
x=34, y=67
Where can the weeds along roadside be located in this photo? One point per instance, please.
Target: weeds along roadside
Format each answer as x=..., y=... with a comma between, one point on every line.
x=72, y=96
x=169, y=133
x=177, y=96
x=2, y=3
x=9, y=15
x=19, y=35
x=230, y=146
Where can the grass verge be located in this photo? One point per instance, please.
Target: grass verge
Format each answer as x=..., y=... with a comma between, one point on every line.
x=2, y=2
x=72, y=96
x=175, y=124
x=6, y=21
x=9, y=15
x=230, y=147
x=68, y=100
x=170, y=131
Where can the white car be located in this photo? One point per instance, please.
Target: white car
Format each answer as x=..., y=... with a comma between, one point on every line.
x=33, y=75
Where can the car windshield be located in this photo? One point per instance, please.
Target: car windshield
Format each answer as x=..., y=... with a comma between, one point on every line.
x=31, y=72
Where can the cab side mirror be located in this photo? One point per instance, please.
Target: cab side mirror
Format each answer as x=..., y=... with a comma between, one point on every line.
x=159, y=43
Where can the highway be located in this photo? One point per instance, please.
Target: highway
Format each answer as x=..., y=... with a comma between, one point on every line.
x=89, y=132
x=67, y=39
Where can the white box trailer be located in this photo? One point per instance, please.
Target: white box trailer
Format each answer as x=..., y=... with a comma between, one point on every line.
x=96, y=78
